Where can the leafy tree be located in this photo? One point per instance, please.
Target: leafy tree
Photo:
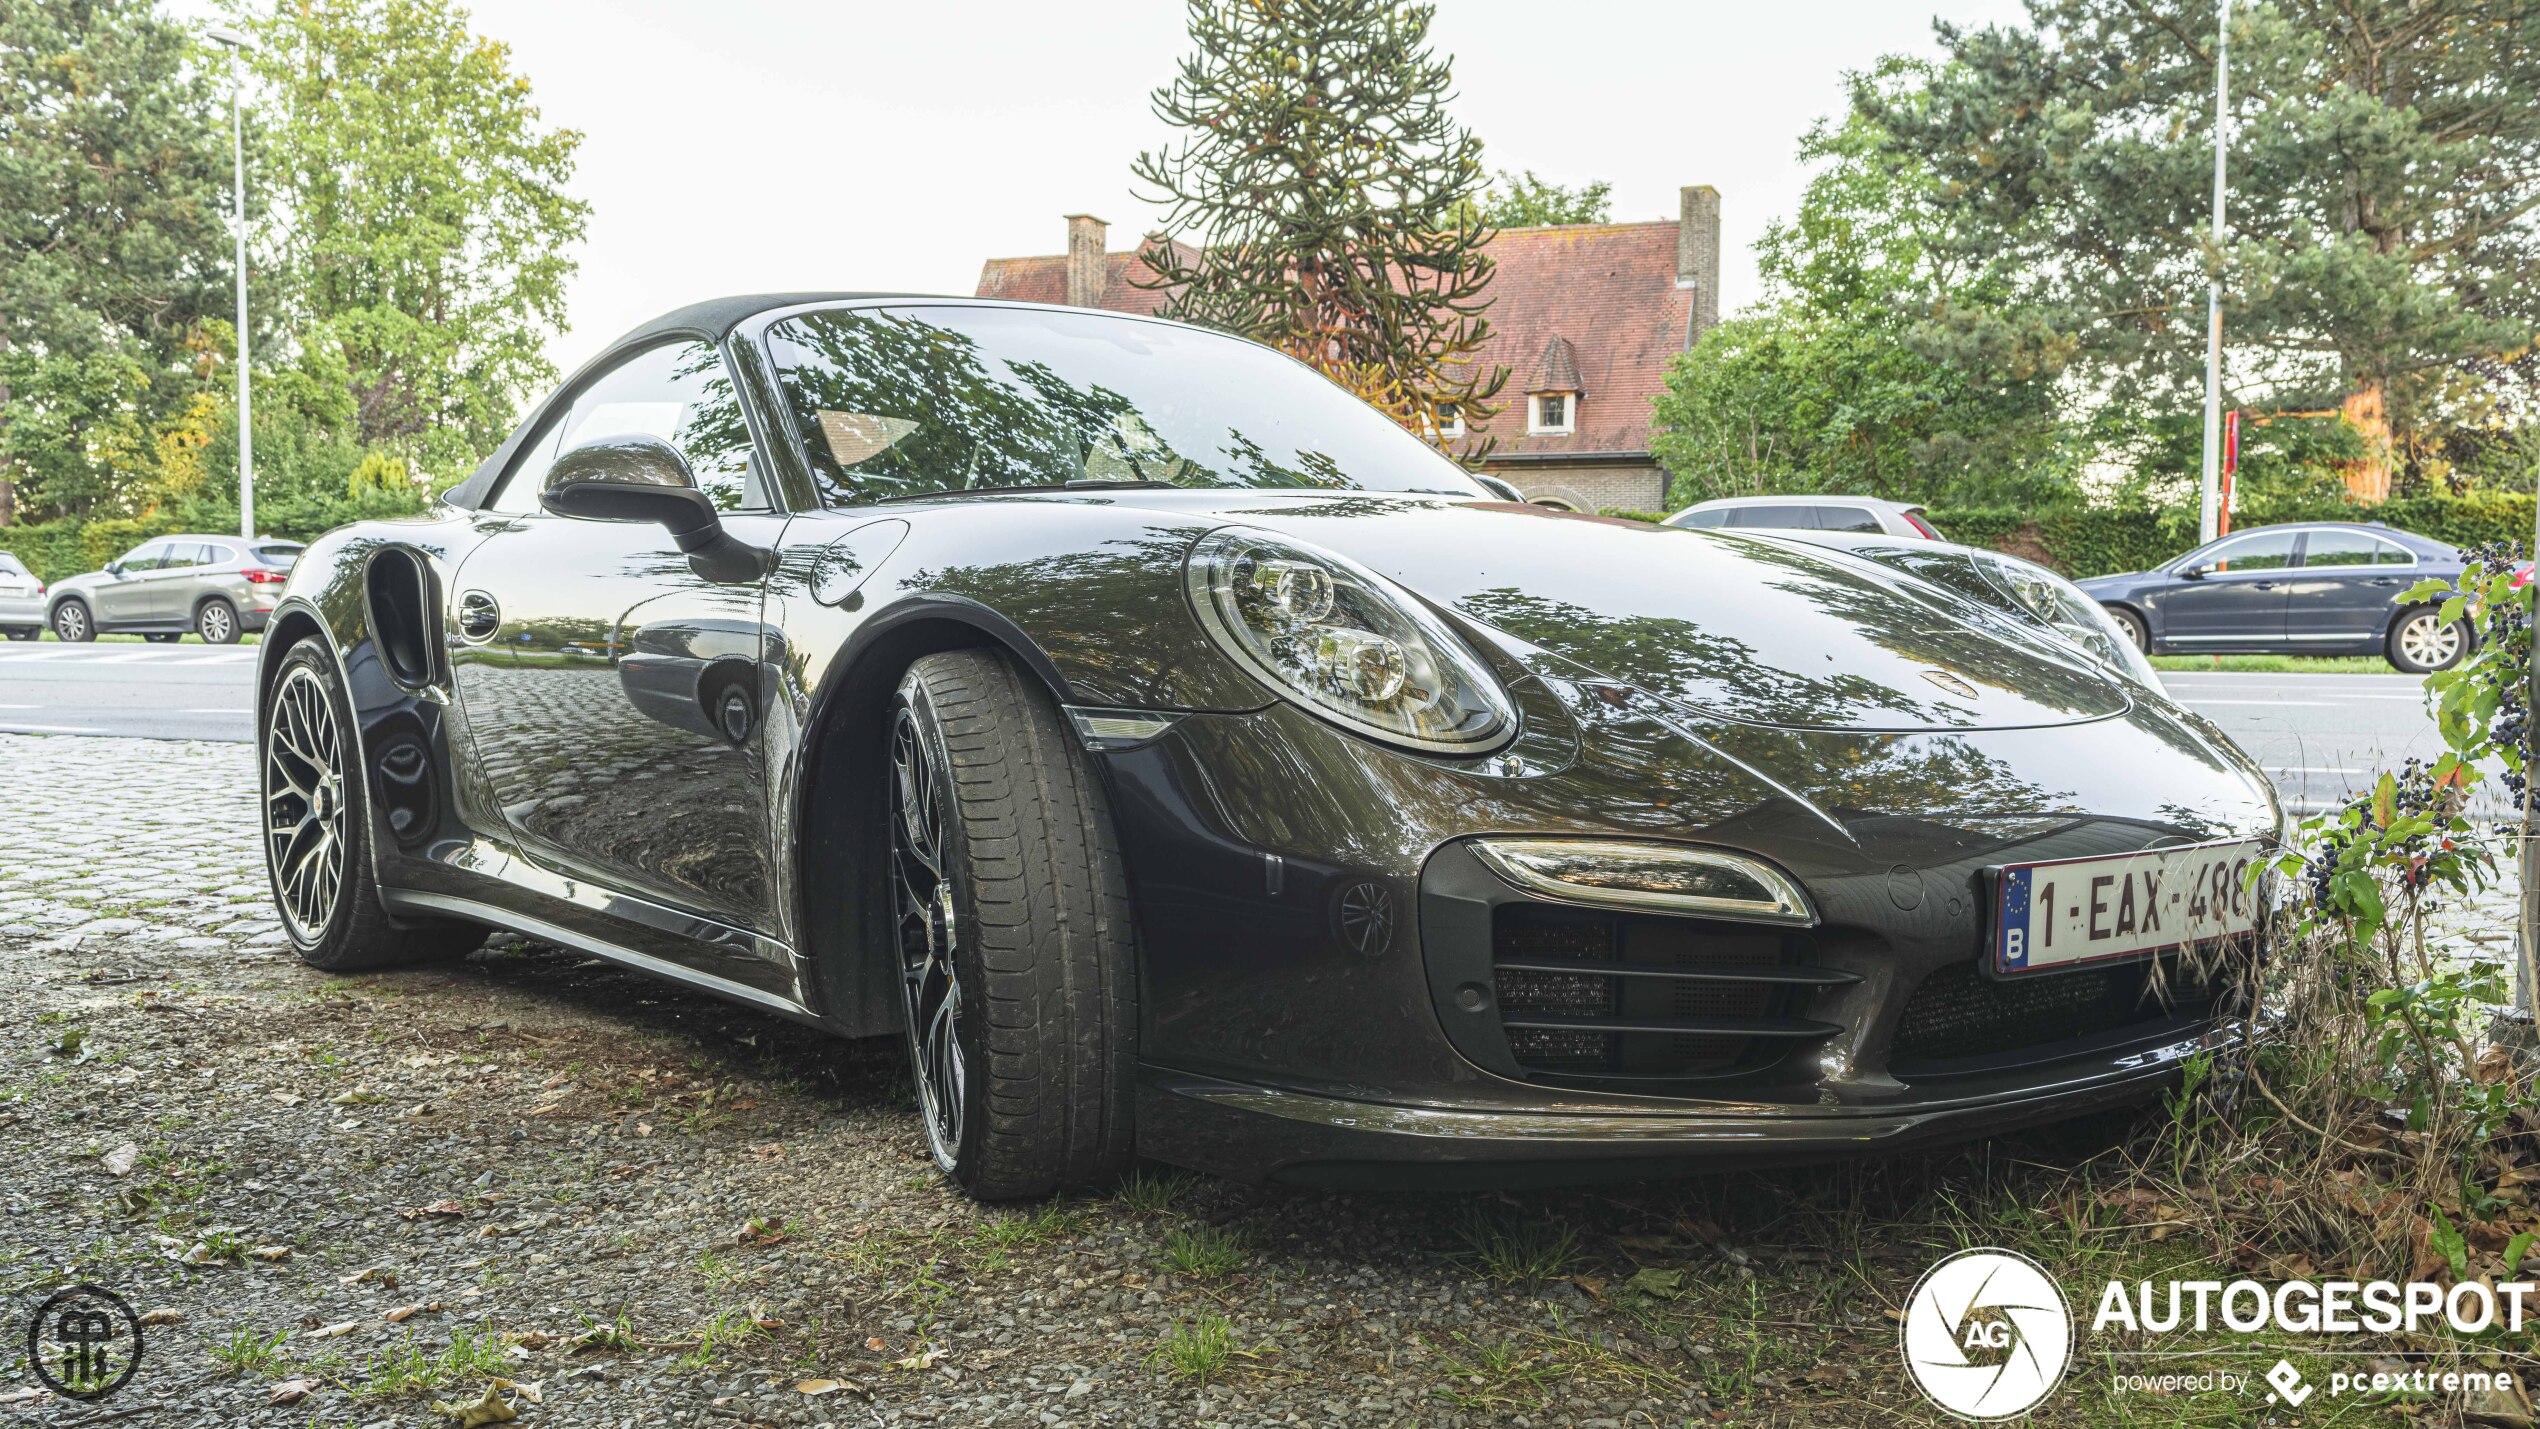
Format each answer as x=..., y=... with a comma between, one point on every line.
x=429, y=234
x=2385, y=166
x=113, y=171
x=1849, y=376
x=1524, y=201
x=1332, y=195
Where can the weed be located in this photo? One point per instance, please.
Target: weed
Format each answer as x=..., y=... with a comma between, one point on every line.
x=1207, y=1253
x=249, y=1353
x=1514, y=1249
x=721, y=1334
x=1148, y=1192
x=1197, y=1350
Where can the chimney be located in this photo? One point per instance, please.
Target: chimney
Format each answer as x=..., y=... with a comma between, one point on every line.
x=1698, y=258
x=1086, y=265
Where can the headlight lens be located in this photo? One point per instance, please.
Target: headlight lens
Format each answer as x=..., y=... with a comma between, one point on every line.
x=1346, y=643
x=2061, y=605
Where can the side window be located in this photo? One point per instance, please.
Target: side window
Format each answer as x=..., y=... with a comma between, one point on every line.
x=145, y=557
x=1847, y=518
x=2341, y=548
x=678, y=392
x=182, y=555
x=1775, y=518
x=2272, y=551
x=2391, y=553
x=1703, y=520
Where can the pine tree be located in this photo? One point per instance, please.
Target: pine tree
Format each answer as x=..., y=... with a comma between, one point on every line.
x=1332, y=197
x=2385, y=168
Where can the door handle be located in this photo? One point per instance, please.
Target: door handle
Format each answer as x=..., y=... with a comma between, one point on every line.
x=2262, y=585
x=479, y=616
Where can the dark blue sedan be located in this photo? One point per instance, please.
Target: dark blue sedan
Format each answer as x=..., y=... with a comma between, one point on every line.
x=2319, y=588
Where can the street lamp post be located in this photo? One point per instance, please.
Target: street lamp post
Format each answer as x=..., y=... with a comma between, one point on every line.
x=2208, y=523
x=237, y=43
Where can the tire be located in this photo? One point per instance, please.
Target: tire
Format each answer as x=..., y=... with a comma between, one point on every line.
x=72, y=622
x=318, y=833
x=1020, y=927
x=216, y=620
x=2132, y=625
x=163, y=637
x=26, y=632
x=2420, y=643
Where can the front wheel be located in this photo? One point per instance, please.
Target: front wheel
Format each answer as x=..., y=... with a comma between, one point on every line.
x=1010, y=917
x=72, y=622
x=317, y=831
x=2421, y=642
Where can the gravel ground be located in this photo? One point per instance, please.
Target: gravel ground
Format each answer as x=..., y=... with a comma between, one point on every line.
x=385, y=1190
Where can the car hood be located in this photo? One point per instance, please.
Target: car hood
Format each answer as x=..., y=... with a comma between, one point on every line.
x=1742, y=628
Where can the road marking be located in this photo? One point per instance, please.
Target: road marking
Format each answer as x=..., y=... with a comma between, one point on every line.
x=50, y=729
x=221, y=709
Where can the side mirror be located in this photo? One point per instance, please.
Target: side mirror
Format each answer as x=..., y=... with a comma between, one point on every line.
x=636, y=477
x=114, y=568
x=2193, y=573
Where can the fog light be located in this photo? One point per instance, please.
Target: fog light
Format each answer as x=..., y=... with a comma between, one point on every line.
x=1659, y=878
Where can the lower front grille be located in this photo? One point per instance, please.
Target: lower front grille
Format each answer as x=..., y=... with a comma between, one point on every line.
x=1588, y=994
x=1960, y=1015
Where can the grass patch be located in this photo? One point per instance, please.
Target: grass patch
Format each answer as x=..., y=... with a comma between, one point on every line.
x=2278, y=664
x=1196, y=1351
x=250, y=1353
x=1513, y=1248
x=1206, y=1253
x=1148, y=1192
x=474, y=1351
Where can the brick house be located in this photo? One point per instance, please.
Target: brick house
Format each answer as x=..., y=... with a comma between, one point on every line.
x=1585, y=317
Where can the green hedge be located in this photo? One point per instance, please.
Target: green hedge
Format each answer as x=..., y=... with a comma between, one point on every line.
x=67, y=548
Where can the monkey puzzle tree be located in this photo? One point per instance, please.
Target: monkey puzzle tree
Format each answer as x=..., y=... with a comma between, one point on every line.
x=1332, y=197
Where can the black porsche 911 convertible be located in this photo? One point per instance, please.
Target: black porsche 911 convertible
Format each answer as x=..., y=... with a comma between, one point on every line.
x=1189, y=763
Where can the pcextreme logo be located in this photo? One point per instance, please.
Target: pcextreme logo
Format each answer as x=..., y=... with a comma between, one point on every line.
x=1987, y=1334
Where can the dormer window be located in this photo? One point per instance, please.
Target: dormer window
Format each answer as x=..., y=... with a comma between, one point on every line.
x=1552, y=399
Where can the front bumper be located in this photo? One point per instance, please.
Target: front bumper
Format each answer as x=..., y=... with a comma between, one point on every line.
x=1265, y=1133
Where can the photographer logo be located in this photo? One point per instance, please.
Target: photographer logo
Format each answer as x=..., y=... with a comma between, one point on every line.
x=1987, y=1334
x=84, y=1342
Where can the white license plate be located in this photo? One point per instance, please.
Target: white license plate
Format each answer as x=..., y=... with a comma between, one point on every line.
x=2087, y=910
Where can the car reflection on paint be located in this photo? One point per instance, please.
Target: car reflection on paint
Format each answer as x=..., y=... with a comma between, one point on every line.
x=1186, y=762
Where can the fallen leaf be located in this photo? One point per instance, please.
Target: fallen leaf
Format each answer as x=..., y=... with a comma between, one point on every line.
x=163, y=1317
x=437, y=1208
x=814, y=1388
x=494, y=1408
x=291, y=1391
x=26, y=1395
x=772, y=1151
x=288, y=1099
x=1655, y=1283
x=403, y=1313
x=878, y=1345
x=1592, y=1284
x=271, y=1252
x=923, y=1359
x=329, y=1332
x=380, y=1273
x=119, y=1162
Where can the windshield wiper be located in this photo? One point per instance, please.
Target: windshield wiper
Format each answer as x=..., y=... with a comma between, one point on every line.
x=1129, y=485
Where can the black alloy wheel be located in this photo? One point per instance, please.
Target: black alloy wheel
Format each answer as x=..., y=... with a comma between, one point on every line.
x=1010, y=918
x=317, y=831
x=72, y=622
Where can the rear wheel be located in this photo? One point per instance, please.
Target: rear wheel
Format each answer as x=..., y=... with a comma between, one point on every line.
x=72, y=622
x=217, y=622
x=1011, y=920
x=2132, y=625
x=2421, y=642
x=318, y=832
x=163, y=637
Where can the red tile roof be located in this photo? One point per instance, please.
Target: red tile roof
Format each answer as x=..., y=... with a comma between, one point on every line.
x=1609, y=289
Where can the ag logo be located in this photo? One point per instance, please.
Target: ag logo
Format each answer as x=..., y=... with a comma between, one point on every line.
x=1987, y=1334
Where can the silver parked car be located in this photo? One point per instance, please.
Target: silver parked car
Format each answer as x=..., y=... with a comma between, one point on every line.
x=21, y=600
x=216, y=586
x=1868, y=515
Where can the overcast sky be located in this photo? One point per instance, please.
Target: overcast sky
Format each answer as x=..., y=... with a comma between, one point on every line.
x=752, y=145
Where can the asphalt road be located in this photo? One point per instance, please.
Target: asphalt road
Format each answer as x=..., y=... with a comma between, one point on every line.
x=2317, y=735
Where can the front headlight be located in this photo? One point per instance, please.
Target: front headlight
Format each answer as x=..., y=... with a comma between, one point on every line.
x=1345, y=643
x=2061, y=605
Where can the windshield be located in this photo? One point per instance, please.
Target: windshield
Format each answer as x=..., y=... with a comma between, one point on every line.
x=919, y=401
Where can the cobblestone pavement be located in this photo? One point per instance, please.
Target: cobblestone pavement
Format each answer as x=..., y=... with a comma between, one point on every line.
x=346, y=1198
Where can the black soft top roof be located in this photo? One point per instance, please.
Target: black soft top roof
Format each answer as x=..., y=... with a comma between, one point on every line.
x=710, y=319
